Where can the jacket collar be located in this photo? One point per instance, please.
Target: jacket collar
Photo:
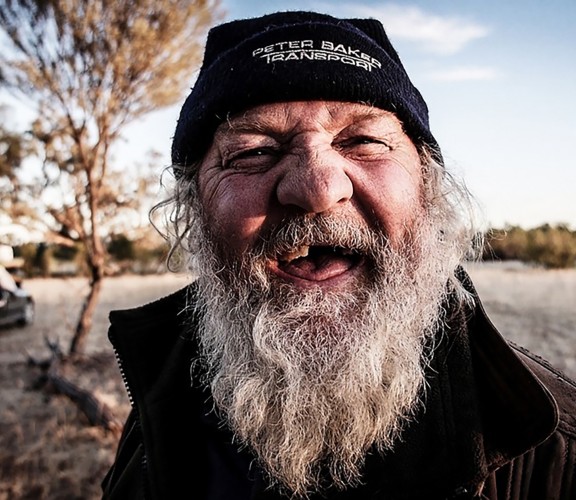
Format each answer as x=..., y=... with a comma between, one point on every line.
x=518, y=411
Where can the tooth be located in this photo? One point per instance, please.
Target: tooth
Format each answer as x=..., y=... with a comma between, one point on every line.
x=297, y=253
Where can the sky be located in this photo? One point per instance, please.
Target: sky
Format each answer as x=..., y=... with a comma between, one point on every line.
x=499, y=78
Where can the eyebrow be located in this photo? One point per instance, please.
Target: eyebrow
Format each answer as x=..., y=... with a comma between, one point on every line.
x=247, y=123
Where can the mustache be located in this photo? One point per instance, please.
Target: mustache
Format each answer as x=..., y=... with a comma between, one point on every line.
x=295, y=235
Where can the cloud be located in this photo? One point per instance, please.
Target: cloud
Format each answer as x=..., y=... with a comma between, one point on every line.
x=464, y=73
x=443, y=35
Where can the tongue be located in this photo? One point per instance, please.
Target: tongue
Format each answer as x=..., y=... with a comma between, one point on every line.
x=319, y=268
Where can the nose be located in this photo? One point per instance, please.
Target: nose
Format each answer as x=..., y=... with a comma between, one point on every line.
x=315, y=181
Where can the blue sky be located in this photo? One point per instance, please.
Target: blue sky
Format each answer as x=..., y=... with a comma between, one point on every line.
x=499, y=78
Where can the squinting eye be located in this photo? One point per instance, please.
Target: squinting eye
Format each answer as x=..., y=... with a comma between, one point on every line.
x=255, y=158
x=252, y=152
x=364, y=145
x=366, y=140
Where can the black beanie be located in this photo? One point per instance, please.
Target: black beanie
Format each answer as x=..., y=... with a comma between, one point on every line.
x=294, y=56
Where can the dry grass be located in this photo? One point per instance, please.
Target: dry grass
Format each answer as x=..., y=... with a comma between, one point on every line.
x=47, y=448
x=533, y=307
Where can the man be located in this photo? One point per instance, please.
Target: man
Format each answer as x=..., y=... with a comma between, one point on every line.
x=330, y=345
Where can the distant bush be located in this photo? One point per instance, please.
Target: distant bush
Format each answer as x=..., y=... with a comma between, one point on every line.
x=120, y=248
x=142, y=255
x=124, y=255
x=44, y=259
x=552, y=247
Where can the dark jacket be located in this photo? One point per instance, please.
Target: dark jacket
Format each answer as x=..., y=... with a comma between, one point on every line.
x=498, y=423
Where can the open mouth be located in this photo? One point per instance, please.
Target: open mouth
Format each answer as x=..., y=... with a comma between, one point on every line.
x=318, y=262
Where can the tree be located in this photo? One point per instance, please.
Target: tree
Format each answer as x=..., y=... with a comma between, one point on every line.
x=13, y=149
x=88, y=68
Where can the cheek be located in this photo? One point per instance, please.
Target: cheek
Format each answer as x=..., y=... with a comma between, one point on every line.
x=393, y=195
x=236, y=209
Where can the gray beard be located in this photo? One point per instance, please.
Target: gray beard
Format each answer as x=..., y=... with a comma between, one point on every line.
x=310, y=380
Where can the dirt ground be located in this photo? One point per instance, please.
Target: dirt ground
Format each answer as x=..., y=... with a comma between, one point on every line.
x=48, y=450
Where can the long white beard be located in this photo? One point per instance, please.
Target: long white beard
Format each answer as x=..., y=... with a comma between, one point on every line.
x=311, y=380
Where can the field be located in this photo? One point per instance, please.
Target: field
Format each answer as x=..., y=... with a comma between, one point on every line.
x=47, y=448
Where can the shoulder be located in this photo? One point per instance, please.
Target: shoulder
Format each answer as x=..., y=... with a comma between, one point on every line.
x=561, y=387
x=155, y=342
x=169, y=305
x=157, y=324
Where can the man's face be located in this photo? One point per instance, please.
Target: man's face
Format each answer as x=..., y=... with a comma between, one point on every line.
x=321, y=270
x=278, y=161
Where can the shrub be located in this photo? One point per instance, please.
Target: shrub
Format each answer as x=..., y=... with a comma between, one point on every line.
x=547, y=246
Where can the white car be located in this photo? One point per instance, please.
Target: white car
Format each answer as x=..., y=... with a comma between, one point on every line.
x=16, y=304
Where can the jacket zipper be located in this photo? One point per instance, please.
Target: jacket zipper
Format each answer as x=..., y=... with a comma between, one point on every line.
x=144, y=462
